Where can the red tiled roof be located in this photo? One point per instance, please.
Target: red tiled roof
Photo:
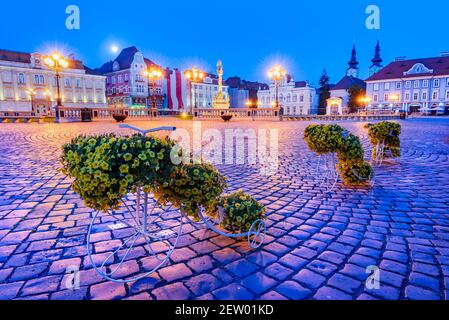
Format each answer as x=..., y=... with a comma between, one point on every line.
x=14, y=56
x=346, y=82
x=124, y=59
x=396, y=69
x=300, y=84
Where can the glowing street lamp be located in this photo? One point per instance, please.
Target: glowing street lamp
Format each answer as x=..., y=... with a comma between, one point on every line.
x=153, y=74
x=194, y=75
x=365, y=100
x=277, y=73
x=57, y=62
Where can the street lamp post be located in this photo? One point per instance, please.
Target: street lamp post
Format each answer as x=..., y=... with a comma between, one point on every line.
x=153, y=74
x=57, y=62
x=277, y=73
x=194, y=75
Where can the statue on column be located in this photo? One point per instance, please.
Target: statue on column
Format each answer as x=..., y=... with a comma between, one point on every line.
x=219, y=101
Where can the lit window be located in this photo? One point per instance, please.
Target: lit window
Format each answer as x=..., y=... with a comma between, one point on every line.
x=21, y=78
x=386, y=97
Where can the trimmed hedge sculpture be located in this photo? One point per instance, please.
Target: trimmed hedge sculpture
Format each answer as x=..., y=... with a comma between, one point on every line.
x=388, y=132
x=106, y=168
x=352, y=167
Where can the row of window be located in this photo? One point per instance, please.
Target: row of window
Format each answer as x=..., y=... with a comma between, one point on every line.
x=436, y=83
x=207, y=88
x=408, y=95
x=292, y=110
x=139, y=89
x=288, y=99
x=39, y=79
x=67, y=96
x=118, y=79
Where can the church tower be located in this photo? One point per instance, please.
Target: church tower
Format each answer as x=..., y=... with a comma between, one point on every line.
x=353, y=70
x=377, y=61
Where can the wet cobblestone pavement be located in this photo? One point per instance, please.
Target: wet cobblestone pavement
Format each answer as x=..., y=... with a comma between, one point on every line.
x=317, y=247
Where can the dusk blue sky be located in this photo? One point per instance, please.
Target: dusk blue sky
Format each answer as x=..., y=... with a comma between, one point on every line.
x=247, y=35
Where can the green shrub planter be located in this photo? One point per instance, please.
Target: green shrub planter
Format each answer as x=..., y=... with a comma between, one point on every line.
x=352, y=167
x=106, y=168
x=388, y=133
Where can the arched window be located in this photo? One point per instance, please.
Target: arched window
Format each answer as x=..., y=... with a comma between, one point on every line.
x=289, y=98
x=21, y=78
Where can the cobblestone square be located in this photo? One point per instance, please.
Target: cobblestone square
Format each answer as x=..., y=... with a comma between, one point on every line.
x=317, y=247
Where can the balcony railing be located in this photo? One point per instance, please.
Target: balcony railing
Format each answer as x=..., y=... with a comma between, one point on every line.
x=237, y=113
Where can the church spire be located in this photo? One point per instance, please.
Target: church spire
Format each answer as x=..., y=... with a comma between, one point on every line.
x=377, y=60
x=353, y=70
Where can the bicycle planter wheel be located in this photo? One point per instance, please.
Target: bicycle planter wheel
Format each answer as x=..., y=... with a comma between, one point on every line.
x=326, y=172
x=255, y=235
x=140, y=224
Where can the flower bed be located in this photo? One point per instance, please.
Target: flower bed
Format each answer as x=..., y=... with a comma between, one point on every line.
x=352, y=167
x=106, y=168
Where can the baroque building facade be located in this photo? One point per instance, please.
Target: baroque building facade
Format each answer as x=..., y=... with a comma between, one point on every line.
x=126, y=84
x=27, y=85
x=295, y=97
x=415, y=85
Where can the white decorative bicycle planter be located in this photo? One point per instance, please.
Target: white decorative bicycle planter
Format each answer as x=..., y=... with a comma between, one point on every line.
x=144, y=227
